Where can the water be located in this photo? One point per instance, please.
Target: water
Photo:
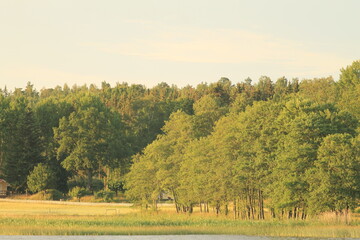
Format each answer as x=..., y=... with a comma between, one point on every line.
x=152, y=237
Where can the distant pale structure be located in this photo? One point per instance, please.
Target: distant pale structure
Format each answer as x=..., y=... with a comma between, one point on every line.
x=3, y=188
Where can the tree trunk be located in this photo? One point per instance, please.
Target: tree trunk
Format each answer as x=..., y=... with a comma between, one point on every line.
x=155, y=205
x=175, y=201
x=1, y=154
x=248, y=204
x=251, y=202
x=272, y=212
x=347, y=215
x=226, y=208
x=290, y=214
x=217, y=208
x=303, y=214
x=234, y=209
x=261, y=206
x=89, y=179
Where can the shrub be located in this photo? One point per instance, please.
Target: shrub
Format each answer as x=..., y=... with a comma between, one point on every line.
x=77, y=181
x=50, y=194
x=116, y=185
x=42, y=177
x=97, y=185
x=106, y=195
x=78, y=192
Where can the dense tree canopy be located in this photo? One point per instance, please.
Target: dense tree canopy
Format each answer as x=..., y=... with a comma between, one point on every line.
x=288, y=146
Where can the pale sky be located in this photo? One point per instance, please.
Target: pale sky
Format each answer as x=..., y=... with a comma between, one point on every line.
x=181, y=42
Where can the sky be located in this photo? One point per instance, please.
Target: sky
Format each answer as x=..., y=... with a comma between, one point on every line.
x=181, y=42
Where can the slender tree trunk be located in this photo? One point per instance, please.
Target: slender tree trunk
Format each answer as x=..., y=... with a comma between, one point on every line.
x=226, y=208
x=272, y=213
x=347, y=214
x=217, y=208
x=106, y=178
x=1, y=154
x=303, y=214
x=261, y=206
x=175, y=201
x=89, y=178
x=290, y=214
x=155, y=204
x=248, y=204
x=251, y=202
x=234, y=209
x=99, y=173
x=242, y=205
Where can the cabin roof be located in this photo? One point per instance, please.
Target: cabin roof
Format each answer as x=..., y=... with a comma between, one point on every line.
x=3, y=181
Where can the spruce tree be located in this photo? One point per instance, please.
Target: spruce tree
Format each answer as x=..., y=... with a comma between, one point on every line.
x=23, y=148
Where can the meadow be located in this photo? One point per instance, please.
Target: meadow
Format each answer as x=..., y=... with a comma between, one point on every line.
x=27, y=218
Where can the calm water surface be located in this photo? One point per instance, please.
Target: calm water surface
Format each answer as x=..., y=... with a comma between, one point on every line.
x=152, y=237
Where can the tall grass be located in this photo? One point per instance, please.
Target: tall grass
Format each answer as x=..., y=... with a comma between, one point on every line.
x=37, y=219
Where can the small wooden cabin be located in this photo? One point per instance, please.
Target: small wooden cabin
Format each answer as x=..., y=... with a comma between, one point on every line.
x=3, y=188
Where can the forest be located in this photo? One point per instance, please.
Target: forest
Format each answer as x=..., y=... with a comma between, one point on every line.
x=288, y=146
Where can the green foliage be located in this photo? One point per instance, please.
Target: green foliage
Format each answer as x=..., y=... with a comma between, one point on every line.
x=96, y=184
x=49, y=194
x=42, y=177
x=107, y=196
x=21, y=146
x=90, y=137
x=78, y=192
x=349, y=89
x=116, y=185
x=288, y=146
x=319, y=90
x=350, y=76
x=55, y=194
x=335, y=180
x=80, y=181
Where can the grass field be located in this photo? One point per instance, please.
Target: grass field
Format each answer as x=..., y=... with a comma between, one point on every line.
x=55, y=219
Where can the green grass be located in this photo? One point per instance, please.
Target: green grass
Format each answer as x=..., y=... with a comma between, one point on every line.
x=49, y=219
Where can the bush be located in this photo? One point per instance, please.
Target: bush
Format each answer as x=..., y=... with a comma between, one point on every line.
x=78, y=192
x=97, y=185
x=41, y=177
x=55, y=194
x=77, y=181
x=50, y=194
x=116, y=185
x=106, y=195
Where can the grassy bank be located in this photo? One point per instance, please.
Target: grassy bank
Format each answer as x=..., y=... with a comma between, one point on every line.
x=51, y=219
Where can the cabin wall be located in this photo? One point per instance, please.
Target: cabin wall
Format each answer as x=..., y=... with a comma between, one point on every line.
x=3, y=188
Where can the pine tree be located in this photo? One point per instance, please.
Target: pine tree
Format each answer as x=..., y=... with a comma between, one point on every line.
x=23, y=147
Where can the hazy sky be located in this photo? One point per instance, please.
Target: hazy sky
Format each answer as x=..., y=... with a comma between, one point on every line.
x=180, y=42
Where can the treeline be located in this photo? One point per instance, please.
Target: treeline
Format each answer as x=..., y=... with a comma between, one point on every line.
x=85, y=135
x=294, y=150
x=288, y=146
